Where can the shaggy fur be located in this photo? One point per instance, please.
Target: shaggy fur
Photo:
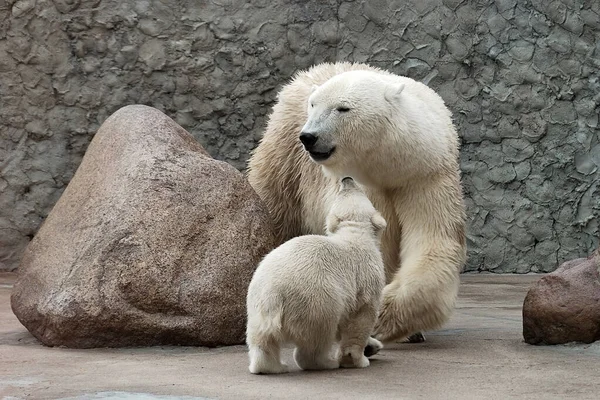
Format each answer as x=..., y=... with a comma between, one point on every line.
x=399, y=143
x=320, y=292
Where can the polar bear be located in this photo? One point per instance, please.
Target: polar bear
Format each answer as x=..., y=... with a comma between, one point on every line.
x=321, y=293
x=396, y=137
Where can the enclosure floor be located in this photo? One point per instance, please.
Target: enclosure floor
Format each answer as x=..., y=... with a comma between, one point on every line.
x=478, y=355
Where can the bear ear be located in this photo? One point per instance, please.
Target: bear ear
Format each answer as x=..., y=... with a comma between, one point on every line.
x=348, y=183
x=378, y=222
x=313, y=88
x=393, y=91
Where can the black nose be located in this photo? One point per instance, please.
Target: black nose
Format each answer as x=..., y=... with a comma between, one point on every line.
x=308, y=139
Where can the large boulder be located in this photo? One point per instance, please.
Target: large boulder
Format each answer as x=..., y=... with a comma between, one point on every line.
x=564, y=306
x=153, y=242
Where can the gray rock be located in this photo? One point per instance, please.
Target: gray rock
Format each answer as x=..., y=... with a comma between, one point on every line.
x=458, y=48
x=505, y=5
x=22, y=7
x=559, y=40
x=574, y=23
x=562, y=112
x=453, y=4
x=152, y=243
x=503, y=174
x=522, y=50
x=521, y=239
x=591, y=18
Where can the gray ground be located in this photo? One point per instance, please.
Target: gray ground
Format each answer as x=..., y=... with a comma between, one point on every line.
x=479, y=355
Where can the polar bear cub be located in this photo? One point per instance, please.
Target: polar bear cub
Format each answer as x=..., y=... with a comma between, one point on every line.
x=320, y=293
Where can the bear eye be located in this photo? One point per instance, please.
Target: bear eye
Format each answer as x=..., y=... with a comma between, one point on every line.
x=343, y=109
x=312, y=105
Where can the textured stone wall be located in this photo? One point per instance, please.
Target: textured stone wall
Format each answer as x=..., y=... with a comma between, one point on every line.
x=521, y=76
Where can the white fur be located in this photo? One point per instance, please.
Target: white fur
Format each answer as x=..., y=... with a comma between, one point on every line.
x=371, y=133
x=399, y=143
x=321, y=293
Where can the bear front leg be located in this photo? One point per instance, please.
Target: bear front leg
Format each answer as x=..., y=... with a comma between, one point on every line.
x=355, y=337
x=421, y=297
x=422, y=294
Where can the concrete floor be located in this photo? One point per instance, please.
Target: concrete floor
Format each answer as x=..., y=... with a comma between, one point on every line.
x=479, y=355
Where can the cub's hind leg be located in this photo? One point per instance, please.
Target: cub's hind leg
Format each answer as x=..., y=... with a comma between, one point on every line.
x=318, y=352
x=355, y=336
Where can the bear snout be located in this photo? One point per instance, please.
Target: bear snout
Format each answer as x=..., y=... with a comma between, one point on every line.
x=308, y=140
x=320, y=152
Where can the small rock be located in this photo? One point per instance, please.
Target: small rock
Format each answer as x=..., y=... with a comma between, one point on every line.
x=522, y=50
x=503, y=174
x=326, y=32
x=564, y=306
x=152, y=53
x=562, y=112
x=574, y=23
x=591, y=18
x=560, y=41
x=505, y=5
x=65, y=6
x=21, y=7
x=452, y=4
x=415, y=68
x=152, y=243
x=458, y=48
x=150, y=27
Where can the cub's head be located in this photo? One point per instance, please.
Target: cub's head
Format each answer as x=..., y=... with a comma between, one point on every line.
x=348, y=117
x=351, y=207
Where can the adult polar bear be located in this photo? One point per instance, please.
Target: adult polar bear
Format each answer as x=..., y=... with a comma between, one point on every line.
x=396, y=138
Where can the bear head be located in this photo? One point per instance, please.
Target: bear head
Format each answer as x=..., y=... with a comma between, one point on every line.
x=349, y=119
x=352, y=207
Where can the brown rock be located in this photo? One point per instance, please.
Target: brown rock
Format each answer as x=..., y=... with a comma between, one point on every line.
x=564, y=306
x=153, y=242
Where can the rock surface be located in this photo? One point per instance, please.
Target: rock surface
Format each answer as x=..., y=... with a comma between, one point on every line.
x=521, y=78
x=564, y=306
x=153, y=242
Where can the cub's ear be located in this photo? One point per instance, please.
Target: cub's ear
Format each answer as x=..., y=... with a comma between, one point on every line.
x=348, y=183
x=393, y=92
x=378, y=222
x=332, y=223
x=313, y=88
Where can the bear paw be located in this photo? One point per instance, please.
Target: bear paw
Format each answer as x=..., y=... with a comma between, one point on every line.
x=268, y=369
x=415, y=338
x=373, y=347
x=349, y=362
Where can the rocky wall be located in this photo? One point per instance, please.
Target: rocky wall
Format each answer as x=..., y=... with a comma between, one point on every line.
x=521, y=76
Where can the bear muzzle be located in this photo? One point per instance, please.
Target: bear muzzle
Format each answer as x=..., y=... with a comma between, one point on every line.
x=315, y=149
x=308, y=140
